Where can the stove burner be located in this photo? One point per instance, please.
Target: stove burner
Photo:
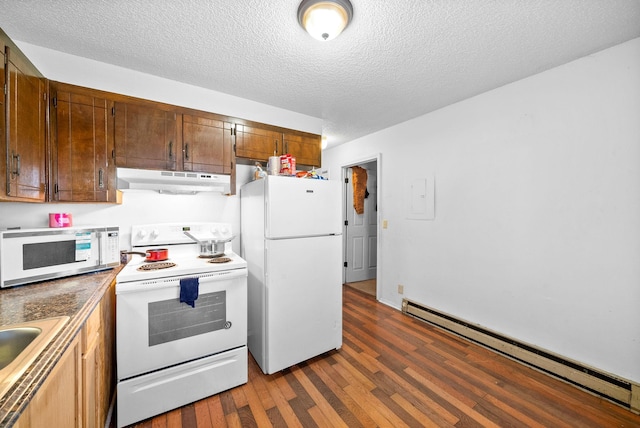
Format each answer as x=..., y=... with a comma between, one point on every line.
x=213, y=256
x=156, y=266
x=220, y=260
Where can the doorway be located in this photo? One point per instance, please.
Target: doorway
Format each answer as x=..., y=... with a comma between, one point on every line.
x=361, y=227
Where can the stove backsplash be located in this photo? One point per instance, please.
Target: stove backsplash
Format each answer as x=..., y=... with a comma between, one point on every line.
x=138, y=207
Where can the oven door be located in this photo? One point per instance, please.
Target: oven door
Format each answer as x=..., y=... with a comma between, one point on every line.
x=154, y=330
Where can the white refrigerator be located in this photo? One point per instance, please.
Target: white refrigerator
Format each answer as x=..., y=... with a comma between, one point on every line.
x=291, y=238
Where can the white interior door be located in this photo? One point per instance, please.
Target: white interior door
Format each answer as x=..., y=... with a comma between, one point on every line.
x=362, y=236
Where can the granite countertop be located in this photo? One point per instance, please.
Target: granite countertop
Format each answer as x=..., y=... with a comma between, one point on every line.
x=75, y=297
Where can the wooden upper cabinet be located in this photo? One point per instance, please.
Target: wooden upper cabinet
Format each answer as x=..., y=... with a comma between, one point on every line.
x=306, y=148
x=23, y=144
x=257, y=143
x=206, y=144
x=146, y=137
x=82, y=146
x=254, y=143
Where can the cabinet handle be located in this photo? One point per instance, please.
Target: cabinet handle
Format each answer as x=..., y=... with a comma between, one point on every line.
x=101, y=178
x=170, y=149
x=186, y=151
x=275, y=142
x=16, y=158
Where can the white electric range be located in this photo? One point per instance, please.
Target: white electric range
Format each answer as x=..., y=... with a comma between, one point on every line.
x=169, y=353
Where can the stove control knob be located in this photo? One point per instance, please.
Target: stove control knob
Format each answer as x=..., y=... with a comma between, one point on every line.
x=142, y=234
x=154, y=234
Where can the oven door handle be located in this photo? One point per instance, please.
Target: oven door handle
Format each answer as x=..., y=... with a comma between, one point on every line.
x=215, y=276
x=154, y=284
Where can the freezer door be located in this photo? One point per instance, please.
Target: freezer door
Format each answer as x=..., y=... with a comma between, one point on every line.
x=304, y=300
x=302, y=207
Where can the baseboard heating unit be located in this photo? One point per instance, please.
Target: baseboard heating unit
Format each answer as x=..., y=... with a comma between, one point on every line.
x=617, y=390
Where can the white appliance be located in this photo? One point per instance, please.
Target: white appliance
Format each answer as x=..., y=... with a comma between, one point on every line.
x=169, y=353
x=291, y=239
x=174, y=182
x=31, y=255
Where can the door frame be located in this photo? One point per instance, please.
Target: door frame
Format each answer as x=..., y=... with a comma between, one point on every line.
x=343, y=170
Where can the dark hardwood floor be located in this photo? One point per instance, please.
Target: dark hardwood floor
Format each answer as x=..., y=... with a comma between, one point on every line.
x=395, y=371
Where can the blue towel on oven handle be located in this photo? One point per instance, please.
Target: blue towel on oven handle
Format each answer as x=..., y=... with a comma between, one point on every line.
x=189, y=291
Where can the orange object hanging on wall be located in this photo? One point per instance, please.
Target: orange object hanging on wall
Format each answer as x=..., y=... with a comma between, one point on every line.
x=359, y=178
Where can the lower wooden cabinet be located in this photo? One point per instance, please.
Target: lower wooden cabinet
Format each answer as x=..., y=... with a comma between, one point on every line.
x=105, y=361
x=58, y=402
x=91, y=356
x=79, y=389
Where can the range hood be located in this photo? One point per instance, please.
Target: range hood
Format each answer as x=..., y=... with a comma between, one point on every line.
x=175, y=182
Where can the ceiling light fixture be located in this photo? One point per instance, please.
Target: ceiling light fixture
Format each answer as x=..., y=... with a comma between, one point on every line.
x=324, y=19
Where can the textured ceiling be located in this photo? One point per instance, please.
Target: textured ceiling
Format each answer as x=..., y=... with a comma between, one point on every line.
x=397, y=59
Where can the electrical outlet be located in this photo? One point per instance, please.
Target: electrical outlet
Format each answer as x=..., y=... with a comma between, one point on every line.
x=384, y=224
x=400, y=289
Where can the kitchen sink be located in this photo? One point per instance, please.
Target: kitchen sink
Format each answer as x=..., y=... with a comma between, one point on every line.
x=13, y=341
x=21, y=344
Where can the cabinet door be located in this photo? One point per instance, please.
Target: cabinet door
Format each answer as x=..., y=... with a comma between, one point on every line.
x=106, y=374
x=91, y=355
x=57, y=402
x=146, y=137
x=24, y=143
x=91, y=393
x=257, y=143
x=307, y=149
x=83, y=146
x=206, y=145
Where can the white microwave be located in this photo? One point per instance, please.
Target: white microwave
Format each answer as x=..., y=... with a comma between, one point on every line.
x=31, y=255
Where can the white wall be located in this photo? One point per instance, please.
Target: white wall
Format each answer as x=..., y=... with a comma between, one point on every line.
x=537, y=226
x=147, y=207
